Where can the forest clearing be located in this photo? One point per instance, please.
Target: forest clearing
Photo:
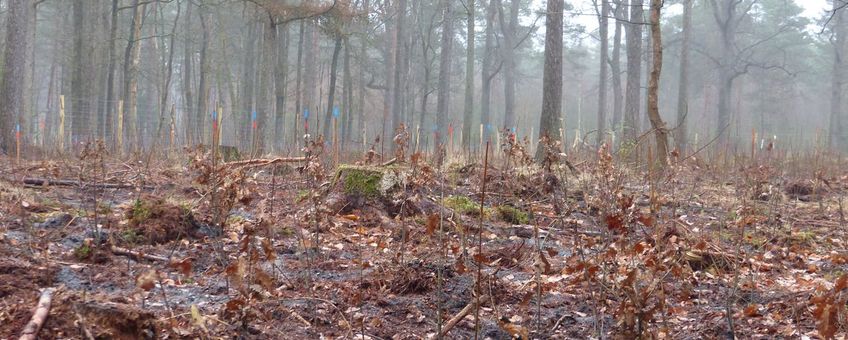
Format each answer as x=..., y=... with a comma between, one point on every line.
x=270, y=249
x=293, y=169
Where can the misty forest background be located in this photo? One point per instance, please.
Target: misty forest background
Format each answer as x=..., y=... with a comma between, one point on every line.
x=150, y=74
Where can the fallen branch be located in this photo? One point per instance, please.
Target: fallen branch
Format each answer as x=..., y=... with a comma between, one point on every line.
x=390, y=162
x=43, y=182
x=138, y=255
x=31, y=330
x=264, y=162
x=461, y=315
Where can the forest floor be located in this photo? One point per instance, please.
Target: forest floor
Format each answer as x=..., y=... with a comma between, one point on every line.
x=191, y=248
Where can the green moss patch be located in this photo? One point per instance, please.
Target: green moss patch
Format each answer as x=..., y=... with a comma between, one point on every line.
x=513, y=215
x=465, y=205
x=362, y=181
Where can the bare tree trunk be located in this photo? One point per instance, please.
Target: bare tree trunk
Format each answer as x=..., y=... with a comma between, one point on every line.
x=331, y=95
x=683, y=84
x=615, y=69
x=110, y=81
x=80, y=108
x=468, y=109
x=602, y=81
x=426, y=47
x=310, y=70
x=166, y=88
x=248, y=81
x=132, y=58
x=443, y=101
x=12, y=101
x=298, y=95
x=281, y=78
x=188, y=98
x=400, y=68
x=203, y=85
x=347, y=100
x=552, y=79
x=266, y=98
x=660, y=131
x=725, y=14
x=488, y=61
x=634, y=69
x=510, y=32
x=360, y=102
x=837, y=114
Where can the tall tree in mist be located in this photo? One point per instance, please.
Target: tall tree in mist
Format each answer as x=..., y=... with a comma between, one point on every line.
x=16, y=74
x=837, y=108
x=468, y=110
x=80, y=108
x=487, y=72
x=681, y=136
x=552, y=78
x=443, y=100
x=132, y=58
x=615, y=68
x=510, y=44
x=603, y=32
x=633, y=96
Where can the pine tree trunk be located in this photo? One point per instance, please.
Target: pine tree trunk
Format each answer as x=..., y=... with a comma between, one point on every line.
x=552, y=79
x=12, y=98
x=468, y=109
x=488, y=61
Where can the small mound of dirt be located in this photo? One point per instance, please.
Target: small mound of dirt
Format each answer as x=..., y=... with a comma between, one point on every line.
x=154, y=220
x=804, y=191
x=416, y=278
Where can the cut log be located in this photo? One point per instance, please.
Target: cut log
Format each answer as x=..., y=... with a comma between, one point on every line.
x=43, y=182
x=30, y=332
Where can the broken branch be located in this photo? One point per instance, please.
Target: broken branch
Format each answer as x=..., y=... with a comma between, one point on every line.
x=31, y=330
x=265, y=162
x=461, y=315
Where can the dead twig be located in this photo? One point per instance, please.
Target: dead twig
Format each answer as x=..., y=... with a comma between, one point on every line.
x=30, y=332
x=138, y=255
x=85, y=330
